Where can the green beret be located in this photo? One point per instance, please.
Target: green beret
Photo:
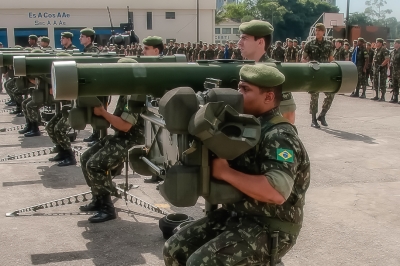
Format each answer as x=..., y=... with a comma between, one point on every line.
x=361, y=39
x=290, y=40
x=304, y=42
x=261, y=75
x=127, y=60
x=278, y=42
x=88, y=32
x=345, y=40
x=63, y=54
x=45, y=39
x=397, y=41
x=368, y=43
x=67, y=34
x=38, y=51
x=320, y=26
x=295, y=40
x=346, y=43
x=380, y=40
x=256, y=28
x=33, y=37
x=182, y=43
x=152, y=41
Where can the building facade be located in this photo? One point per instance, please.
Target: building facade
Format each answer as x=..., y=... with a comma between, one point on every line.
x=173, y=19
x=226, y=31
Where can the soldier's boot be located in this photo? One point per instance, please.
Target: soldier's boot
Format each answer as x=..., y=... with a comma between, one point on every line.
x=382, y=99
x=376, y=96
x=27, y=128
x=35, y=132
x=11, y=103
x=395, y=99
x=69, y=160
x=355, y=93
x=56, y=149
x=152, y=179
x=17, y=110
x=94, y=137
x=321, y=118
x=117, y=170
x=94, y=205
x=363, y=96
x=61, y=155
x=90, y=144
x=107, y=211
x=314, y=122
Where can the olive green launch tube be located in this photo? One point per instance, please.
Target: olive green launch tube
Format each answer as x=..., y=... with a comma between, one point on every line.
x=71, y=80
x=34, y=66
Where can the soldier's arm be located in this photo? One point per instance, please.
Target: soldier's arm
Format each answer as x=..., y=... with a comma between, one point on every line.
x=387, y=59
x=366, y=56
x=305, y=57
x=115, y=121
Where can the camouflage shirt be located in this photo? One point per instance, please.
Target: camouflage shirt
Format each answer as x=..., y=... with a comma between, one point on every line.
x=281, y=157
x=279, y=54
x=70, y=47
x=395, y=59
x=181, y=50
x=291, y=54
x=318, y=51
x=339, y=54
x=209, y=54
x=129, y=113
x=202, y=55
x=91, y=49
x=380, y=55
x=238, y=54
x=362, y=56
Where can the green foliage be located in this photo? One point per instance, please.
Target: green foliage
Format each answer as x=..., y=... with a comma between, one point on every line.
x=375, y=12
x=360, y=19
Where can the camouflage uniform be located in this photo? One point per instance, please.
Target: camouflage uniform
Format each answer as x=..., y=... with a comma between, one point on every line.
x=230, y=52
x=91, y=49
x=240, y=233
x=380, y=73
x=362, y=58
x=209, y=54
x=369, y=74
x=238, y=54
x=98, y=161
x=57, y=130
x=320, y=52
x=196, y=54
x=395, y=62
x=181, y=50
x=279, y=54
x=291, y=54
x=31, y=110
x=202, y=54
x=339, y=54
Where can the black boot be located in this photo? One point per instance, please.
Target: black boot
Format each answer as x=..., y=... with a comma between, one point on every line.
x=321, y=118
x=56, y=149
x=117, y=170
x=314, y=122
x=376, y=96
x=27, y=128
x=153, y=179
x=363, y=96
x=94, y=137
x=17, y=110
x=355, y=93
x=69, y=160
x=34, y=131
x=94, y=205
x=395, y=99
x=382, y=99
x=11, y=103
x=107, y=211
x=61, y=155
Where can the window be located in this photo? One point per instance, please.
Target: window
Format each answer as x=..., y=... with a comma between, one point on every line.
x=235, y=30
x=170, y=15
x=226, y=30
x=149, y=20
x=217, y=31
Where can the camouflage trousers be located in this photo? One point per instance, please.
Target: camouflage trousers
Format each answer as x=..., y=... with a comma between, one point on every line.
x=325, y=106
x=396, y=81
x=362, y=80
x=8, y=86
x=31, y=110
x=57, y=129
x=369, y=75
x=98, y=161
x=380, y=79
x=13, y=92
x=220, y=239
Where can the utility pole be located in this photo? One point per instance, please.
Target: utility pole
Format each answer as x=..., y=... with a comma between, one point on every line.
x=347, y=20
x=198, y=19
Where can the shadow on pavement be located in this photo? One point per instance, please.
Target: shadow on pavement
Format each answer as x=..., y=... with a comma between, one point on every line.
x=116, y=242
x=58, y=178
x=349, y=136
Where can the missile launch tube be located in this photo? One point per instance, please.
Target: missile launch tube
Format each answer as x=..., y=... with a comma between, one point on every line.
x=71, y=80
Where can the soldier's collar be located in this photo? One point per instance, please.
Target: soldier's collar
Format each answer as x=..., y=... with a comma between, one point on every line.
x=269, y=114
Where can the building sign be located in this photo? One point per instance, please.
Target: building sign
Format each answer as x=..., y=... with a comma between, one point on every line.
x=47, y=19
x=222, y=37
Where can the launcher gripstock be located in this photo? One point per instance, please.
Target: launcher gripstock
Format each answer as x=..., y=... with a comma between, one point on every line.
x=41, y=66
x=195, y=118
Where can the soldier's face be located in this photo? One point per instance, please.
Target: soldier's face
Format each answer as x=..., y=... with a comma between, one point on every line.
x=248, y=46
x=337, y=45
x=378, y=45
x=290, y=44
x=84, y=40
x=64, y=41
x=44, y=44
x=254, y=99
x=396, y=45
x=150, y=51
x=319, y=33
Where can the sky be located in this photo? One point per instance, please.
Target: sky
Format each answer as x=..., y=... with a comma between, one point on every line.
x=359, y=6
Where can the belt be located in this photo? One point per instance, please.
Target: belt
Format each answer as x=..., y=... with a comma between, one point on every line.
x=274, y=224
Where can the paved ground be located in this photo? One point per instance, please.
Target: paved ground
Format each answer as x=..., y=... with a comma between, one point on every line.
x=351, y=214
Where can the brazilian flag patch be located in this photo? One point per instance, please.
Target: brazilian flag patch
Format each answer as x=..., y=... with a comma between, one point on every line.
x=284, y=155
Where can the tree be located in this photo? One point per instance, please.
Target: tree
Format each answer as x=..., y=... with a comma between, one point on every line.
x=236, y=12
x=392, y=24
x=360, y=19
x=375, y=12
x=219, y=17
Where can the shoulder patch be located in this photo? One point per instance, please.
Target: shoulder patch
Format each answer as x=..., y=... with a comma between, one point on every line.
x=284, y=155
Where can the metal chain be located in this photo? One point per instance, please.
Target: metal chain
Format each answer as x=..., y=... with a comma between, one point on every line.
x=6, y=111
x=27, y=155
x=5, y=100
x=18, y=127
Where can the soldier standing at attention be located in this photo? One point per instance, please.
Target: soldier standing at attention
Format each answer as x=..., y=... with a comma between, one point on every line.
x=300, y=53
x=44, y=43
x=66, y=40
x=181, y=49
x=209, y=53
x=174, y=49
x=362, y=59
x=320, y=50
x=279, y=52
x=339, y=54
x=87, y=39
x=32, y=40
x=395, y=63
x=290, y=52
x=369, y=74
x=202, y=53
x=380, y=65
x=262, y=227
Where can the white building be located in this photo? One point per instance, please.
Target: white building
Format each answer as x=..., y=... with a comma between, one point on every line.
x=227, y=30
x=172, y=19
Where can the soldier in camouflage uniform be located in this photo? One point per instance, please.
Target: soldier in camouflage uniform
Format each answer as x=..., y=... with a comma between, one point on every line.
x=209, y=55
x=290, y=52
x=369, y=74
x=202, y=53
x=107, y=154
x=380, y=65
x=32, y=40
x=320, y=50
x=362, y=59
x=190, y=51
x=230, y=50
x=395, y=71
x=274, y=176
x=300, y=53
x=174, y=49
x=45, y=43
x=347, y=50
x=339, y=54
x=181, y=49
x=278, y=53
x=66, y=40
